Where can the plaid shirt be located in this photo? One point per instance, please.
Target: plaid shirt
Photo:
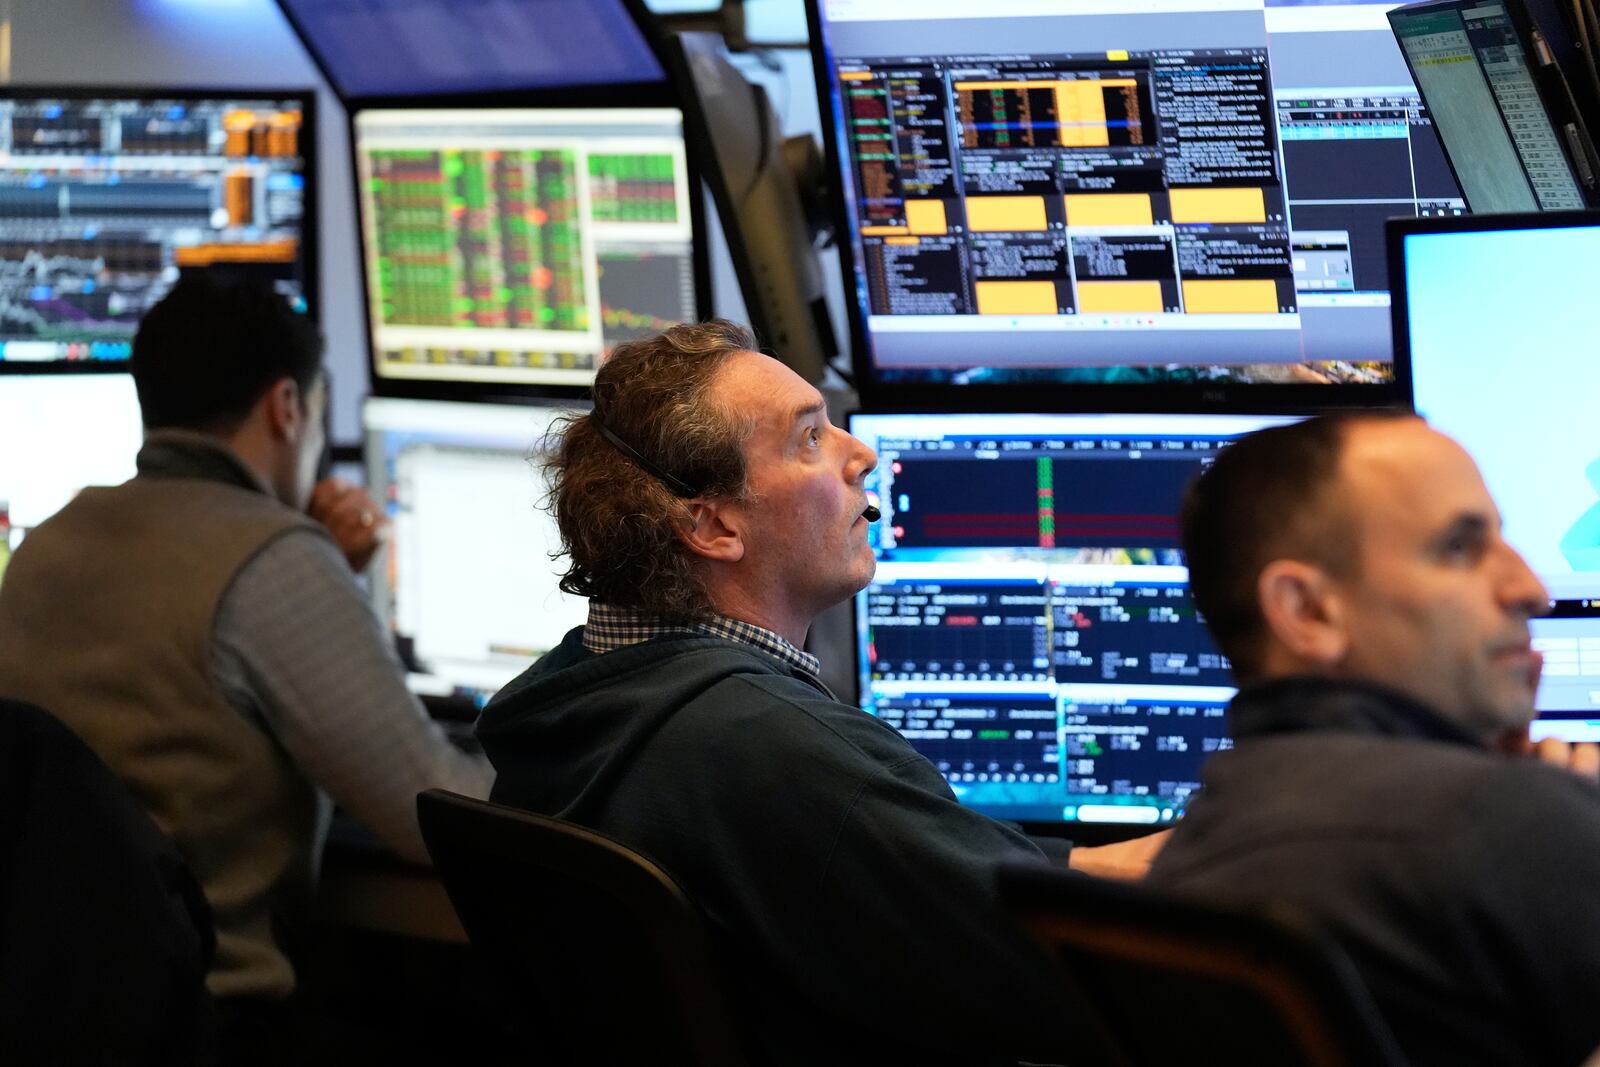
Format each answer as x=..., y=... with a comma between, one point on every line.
x=610, y=628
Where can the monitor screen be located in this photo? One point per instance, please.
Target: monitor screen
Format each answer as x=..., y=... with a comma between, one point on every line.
x=517, y=246
x=1474, y=70
x=1499, y=327
x=466, y=582
x=1122, y=191
x=1029, y=628
x=61, y=433
x=371, y=49
x=106, y=198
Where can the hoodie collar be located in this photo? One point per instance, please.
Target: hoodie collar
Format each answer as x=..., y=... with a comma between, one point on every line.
x=1304, y=704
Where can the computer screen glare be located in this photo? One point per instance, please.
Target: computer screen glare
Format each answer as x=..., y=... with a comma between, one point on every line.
x=1502, y=328
x=60, y=434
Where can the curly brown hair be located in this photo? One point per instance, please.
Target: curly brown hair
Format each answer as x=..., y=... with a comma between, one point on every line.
x=619, y=523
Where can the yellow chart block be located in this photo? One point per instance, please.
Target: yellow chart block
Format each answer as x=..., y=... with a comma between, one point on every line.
x=911, y=241
x=1212, y=296
x=883, y=231
x=1080, y=105
x=1218, y=205
x=1108, y=209
x=1005, y=214
x=1105, y=297
x=856, y=75
x=1016, y=298
x=926, y=217
x=1081, y=109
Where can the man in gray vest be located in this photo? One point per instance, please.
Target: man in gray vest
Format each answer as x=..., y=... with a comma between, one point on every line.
x=207, y=637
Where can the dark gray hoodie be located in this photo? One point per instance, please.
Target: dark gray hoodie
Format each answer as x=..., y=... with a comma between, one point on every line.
x=851, y=894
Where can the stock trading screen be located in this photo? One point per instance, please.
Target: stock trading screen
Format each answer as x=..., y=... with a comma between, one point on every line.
x=520, y=245
x=1196, y=192
x=106, y=201
x=1029, y=627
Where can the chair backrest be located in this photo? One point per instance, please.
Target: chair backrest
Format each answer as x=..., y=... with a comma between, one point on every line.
x=105, y=936
x=609, y=948
x=1176, y=979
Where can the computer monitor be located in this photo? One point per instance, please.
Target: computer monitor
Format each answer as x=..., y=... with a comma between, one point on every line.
x=757, y=194
x=515, y=246
x=60, y=434
x=1029, y=628
x=1506, y=118
x=385, y=49
x=466, y=582
x=1174, y=201
x=1495, y=325
x=107, y=196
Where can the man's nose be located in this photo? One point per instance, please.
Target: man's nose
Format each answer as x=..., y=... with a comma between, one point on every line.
x=865, y=456
x=1522, y=590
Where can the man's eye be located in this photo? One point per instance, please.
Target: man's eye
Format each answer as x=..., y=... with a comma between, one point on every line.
x=813, y=437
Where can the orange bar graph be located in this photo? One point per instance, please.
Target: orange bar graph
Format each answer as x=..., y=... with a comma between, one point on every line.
x=1006, y=214
x=1080, y=105
x=1016, y=298
x=206, y=255
x=1109, y=209
x=1230, y=296
x=1106, y=297
x=926, y=218
x=1218, y=205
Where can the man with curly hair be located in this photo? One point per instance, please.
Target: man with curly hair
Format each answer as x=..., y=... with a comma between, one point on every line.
x=711, y=511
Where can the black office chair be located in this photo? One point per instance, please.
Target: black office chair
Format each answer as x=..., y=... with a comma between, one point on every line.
x=612, y=952
x=1177, y=980
x=105, y=935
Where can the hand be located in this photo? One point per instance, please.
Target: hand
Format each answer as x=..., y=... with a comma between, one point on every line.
x=357, y=523
x=1580, y=757
x=1126, y=860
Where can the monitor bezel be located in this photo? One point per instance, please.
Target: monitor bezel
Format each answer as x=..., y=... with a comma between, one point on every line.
x=1554, y=110
x=601, y=94
x=658, y=96
x=1395, y=234
x=311, y=222
x=1082, y=397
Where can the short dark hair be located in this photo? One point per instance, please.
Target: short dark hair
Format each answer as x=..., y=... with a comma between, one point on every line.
x=619, y=522
x=1268, y=496
x=213, y=345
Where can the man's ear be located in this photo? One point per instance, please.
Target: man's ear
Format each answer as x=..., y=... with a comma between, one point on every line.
x=712, y=531
x=284, y=410
x=1303, y=611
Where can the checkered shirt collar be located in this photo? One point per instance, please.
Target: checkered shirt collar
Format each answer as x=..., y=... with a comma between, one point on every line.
x=610, y=628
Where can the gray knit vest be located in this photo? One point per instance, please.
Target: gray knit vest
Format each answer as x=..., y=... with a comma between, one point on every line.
x=106, y=615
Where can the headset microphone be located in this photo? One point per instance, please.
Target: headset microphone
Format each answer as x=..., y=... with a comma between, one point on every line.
x=872, y=514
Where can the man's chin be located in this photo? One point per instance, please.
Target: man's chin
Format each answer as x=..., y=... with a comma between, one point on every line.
x=1512, y=717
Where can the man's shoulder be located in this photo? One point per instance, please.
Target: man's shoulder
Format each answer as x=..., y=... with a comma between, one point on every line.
x=207, y=510
x=1525, y=796
x=721, y=691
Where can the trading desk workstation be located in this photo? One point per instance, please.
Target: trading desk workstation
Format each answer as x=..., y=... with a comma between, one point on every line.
x=1084, y=246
